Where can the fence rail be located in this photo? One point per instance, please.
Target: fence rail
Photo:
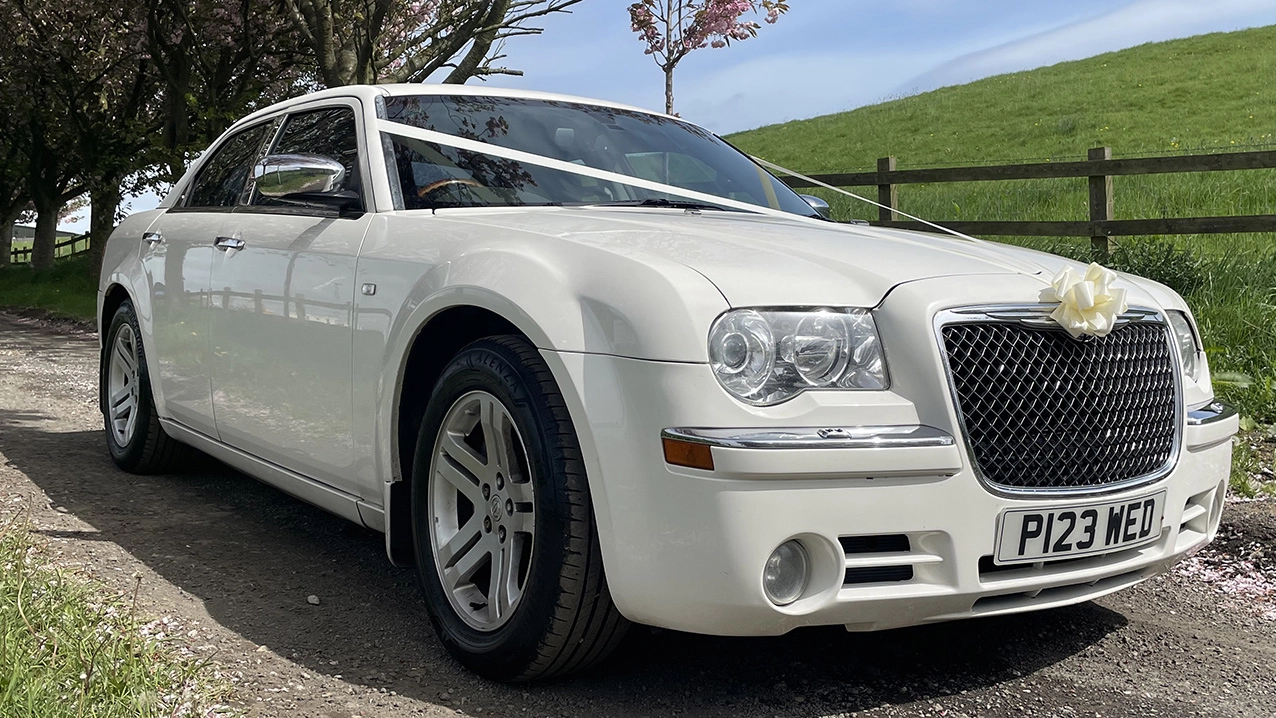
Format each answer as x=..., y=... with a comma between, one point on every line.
x=1098, y=170
x=23, y=255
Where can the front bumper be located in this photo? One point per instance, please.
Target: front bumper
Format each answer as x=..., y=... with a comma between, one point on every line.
x=685, y=548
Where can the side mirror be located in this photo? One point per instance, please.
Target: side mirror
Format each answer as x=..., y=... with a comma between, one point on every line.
x=279, y=176
x=818, y=205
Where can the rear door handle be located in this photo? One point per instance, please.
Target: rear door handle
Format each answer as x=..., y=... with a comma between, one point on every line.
x=152, y=238
x=225, y=243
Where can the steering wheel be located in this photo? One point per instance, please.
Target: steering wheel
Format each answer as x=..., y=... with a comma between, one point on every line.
x=446, y=182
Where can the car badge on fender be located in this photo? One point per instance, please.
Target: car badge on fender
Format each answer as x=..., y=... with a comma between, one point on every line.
x=1089, y=306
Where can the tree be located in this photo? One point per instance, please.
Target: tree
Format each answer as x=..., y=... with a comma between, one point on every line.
x=87, y=85
x=13, y=191
x=376, y=41
x=217, y=60
x=673, y=28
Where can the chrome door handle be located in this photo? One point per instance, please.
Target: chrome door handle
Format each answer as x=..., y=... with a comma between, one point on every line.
x=225, y=243
x=152, y=238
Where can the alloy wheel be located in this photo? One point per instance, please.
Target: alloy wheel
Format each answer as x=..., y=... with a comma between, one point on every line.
x=481, y=510
x=122, y=385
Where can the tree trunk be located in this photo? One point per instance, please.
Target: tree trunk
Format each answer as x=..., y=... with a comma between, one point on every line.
x=6, y=239
x=46, y=235
x=105, y=200
x=669, y=91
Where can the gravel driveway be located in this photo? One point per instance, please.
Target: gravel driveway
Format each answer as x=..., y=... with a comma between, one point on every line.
x=230, y=563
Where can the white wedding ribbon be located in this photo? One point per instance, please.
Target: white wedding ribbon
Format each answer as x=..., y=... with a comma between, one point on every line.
x=440, y=138
x=1087, y=304
x=839, y=190
x=462, y=143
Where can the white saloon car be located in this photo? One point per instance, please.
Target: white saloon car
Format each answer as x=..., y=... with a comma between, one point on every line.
x=586, y=365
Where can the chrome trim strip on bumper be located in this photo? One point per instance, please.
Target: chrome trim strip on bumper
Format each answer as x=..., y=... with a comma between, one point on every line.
x=851, y=437
x=1212, y=412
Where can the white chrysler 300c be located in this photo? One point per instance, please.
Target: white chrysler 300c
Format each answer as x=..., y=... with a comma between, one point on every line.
x=586, y=365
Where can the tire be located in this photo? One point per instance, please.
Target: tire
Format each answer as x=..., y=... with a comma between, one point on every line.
x=134, y=436
x=556, y=616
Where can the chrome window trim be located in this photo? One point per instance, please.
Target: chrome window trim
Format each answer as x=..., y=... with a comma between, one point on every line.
x=1037, y=316
x=849, y=437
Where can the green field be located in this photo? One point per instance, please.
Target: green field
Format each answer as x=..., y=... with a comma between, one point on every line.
x=1211, y=93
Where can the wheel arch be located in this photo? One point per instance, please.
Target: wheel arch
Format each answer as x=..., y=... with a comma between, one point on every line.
x=433, y=344
x=112, y=299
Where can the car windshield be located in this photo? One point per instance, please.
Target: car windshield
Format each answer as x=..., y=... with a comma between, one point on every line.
x=648, y=147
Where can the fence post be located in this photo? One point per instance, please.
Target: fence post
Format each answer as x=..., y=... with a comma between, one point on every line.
x=887, y=194
x=1102, y=204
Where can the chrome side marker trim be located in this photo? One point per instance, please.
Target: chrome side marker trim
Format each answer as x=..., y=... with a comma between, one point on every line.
x=1212, y=412
x=848, y=437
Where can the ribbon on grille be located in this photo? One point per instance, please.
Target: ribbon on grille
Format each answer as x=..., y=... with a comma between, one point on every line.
x=1088, y=304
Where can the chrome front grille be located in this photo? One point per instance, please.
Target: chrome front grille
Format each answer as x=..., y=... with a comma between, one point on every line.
x=1042, y=411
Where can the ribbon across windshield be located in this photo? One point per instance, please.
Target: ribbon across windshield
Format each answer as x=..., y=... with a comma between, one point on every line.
x=463, y=151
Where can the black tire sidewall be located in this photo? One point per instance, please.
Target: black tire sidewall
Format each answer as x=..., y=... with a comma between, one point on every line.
x=130, y=454
x=505, y=653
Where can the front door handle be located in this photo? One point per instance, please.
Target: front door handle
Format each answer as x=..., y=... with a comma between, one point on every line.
x=225, y=243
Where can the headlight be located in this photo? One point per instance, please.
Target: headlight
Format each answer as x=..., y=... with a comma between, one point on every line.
x=766, y=356
x=1189, y=348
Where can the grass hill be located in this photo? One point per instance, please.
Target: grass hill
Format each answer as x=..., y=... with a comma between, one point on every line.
x=1208, y=91
x=1211, y=93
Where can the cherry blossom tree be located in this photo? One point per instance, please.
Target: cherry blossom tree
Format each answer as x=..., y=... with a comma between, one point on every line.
x=375, y=41
x=673, y=28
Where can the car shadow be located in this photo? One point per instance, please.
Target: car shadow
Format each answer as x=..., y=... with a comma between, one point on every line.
x=253, y=555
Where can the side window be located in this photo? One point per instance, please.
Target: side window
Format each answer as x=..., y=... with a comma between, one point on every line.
x=222, y=179
x=329, y=133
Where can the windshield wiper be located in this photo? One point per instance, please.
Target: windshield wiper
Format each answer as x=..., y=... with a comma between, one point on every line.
x=670, y=203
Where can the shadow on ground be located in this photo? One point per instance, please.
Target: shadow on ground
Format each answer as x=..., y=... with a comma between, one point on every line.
x=253, y=554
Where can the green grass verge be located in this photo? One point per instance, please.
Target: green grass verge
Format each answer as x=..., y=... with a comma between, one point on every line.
x=67, y=290
x=71, y=647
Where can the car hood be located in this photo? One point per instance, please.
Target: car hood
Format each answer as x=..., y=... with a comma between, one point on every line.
x=770, y=261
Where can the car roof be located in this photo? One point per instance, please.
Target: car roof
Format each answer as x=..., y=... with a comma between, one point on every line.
x=370, y=92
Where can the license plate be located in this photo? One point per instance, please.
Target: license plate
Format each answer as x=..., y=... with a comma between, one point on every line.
x=1042, y=534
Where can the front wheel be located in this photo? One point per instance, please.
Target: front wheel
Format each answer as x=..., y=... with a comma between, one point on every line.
x=134, y=436
x=506, y=544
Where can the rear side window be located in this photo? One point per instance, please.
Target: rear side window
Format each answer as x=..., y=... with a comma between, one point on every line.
x=330, y=133
x=221, y=181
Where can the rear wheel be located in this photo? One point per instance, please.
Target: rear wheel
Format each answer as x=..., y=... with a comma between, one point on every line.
x=134, y=436
x=505, y=537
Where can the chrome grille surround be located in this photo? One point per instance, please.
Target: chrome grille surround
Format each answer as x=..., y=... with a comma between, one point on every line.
x=1160, y=405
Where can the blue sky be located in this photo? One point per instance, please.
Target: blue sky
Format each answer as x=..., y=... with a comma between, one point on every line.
x=827, y=56
x=831, y=55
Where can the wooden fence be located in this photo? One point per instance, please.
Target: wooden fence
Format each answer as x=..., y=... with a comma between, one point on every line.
x=1099, y=170
x=22, y=255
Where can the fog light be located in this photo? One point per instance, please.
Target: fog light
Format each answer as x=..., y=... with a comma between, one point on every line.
x=784, y=578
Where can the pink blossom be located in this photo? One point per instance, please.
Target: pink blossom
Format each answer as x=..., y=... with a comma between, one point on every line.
x=673, y=28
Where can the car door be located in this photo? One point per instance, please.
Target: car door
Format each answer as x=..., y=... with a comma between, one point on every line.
x=177, y=258
x=283, y=283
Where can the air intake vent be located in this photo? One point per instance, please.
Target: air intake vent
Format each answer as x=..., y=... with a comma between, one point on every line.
x=886, y=543
x=879, y=574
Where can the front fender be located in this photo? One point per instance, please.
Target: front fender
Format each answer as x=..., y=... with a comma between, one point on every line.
x=565, y=297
